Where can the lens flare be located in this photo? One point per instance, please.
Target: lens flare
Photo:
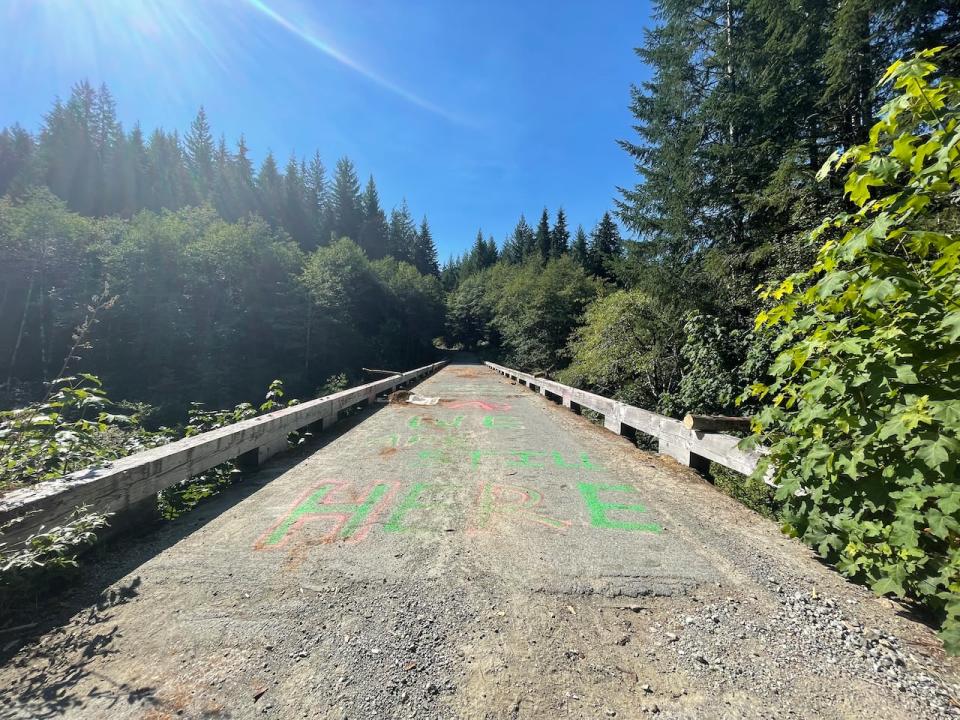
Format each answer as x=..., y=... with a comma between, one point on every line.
x=343, y=59
x=174, y=42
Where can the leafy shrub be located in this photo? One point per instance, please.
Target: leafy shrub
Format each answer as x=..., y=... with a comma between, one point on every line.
x=71, y=429
x=627, y=349
x=864, y=416
x=184, y=496
x=712, y=355
x=537, y=308
x=750, y=490
x=333, y=384
x=45, y=556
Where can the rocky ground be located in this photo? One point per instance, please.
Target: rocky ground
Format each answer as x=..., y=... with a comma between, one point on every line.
x=479, y=584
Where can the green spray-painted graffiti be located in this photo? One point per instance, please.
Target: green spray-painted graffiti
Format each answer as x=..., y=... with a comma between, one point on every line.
x=420, y=421
x=319, y=503
x=536, y=459
x=598, y=508
x=502, y=422
x=512, y=502
x=411, y=502
x=431, y=508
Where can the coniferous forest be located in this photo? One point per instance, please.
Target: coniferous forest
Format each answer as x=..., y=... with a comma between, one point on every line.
x=773, y=150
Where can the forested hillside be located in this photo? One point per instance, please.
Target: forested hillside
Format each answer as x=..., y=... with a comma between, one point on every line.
x=219, y=278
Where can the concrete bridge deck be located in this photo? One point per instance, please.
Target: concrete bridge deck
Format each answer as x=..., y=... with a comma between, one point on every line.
x=490, y=556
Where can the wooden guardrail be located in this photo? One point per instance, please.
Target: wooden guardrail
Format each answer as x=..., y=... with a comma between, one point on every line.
x=689, y=447
x=124, y=484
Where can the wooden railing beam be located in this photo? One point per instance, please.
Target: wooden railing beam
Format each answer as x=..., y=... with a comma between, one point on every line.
x=690, y=447
x=122, y=484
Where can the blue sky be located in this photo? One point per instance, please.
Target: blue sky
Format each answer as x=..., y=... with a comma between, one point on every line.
x=474, y=110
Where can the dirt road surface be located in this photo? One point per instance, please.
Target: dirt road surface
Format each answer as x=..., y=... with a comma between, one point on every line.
x=491, y=556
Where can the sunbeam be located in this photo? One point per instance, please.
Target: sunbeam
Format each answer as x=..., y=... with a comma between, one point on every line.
x=332, y=52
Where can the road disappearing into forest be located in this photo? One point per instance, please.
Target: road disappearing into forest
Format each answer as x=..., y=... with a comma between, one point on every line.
x=489, y=556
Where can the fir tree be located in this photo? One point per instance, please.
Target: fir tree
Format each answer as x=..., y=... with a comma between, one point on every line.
x=109, y=142
x=559, y=235
x=345, y=201
x=424, y=251
x=374, y=233
x=403, y=233
x=138, y=169
x=168, y=178
x=270, y=191
x=16, y=160
x=542, y=241
x=605, y=245
x=319, y=197
x=480, y=257
x=580, y=251
x=485, y=251
x=237, y=195
x=492, y=252
x=67, y=151
x=242, y=166
x=200, y=151
x=296, y=217
x=520, y=244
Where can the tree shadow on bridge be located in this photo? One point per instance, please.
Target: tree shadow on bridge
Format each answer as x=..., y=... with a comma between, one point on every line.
x=69, y=625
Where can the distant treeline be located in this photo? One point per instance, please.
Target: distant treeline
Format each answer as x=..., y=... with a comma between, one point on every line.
x=85, y=157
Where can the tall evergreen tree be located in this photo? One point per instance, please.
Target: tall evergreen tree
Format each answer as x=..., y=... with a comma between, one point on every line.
x=270, y=191
x=168, y=178
x=559, y=235
x=474, y=260
x=109, y=143
x=403, y=233
x=237, y=196
x=605, y=246
x=424, y=251
x=125, y=174
x=17, y=160
x=137, y=171
x=542, y=239
x=296, y=211
x=374, y=233
x=220, y=188
x=200, y=149
x=345, y=201
x=580, y=251
x=68, y=152
x=319, y=196
x=243, y=167
x=483, y=254
x=520, y=244
x=492, y=252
